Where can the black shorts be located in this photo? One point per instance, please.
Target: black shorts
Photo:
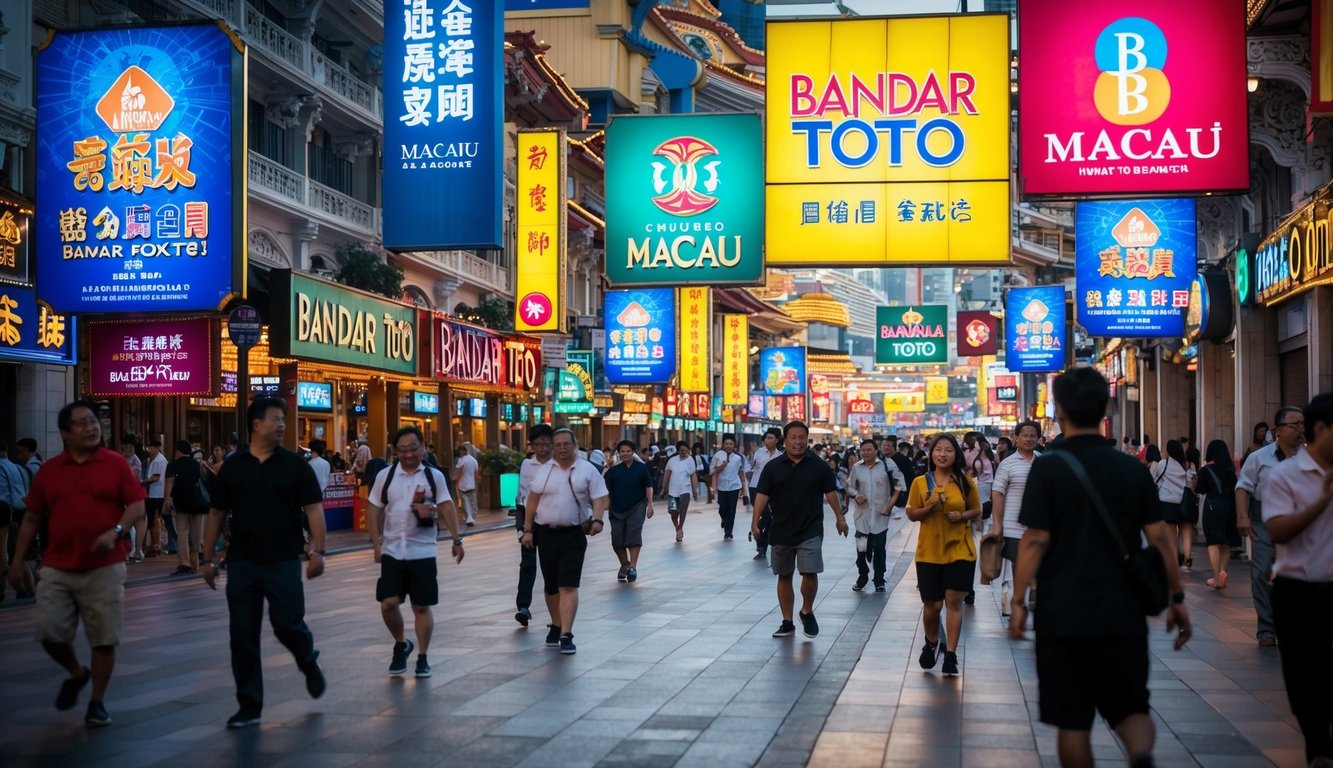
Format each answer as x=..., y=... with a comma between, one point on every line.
x=1010, y=550
x=1175, y=514
x=408, y=578
x=933, y=579
x=1078, y=676
x=560, y=554
x=153, y=508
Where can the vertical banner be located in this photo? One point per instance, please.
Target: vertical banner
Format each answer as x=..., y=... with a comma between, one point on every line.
x=978, y=333
x=15, y=238
x=735, y=359
x=443, y=124
x=1035, y=329
x=540, y=272
x=821, y=404
x=574, y=389
x=696, y=365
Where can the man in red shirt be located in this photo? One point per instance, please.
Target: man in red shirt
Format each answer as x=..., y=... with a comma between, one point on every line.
x=90, y=500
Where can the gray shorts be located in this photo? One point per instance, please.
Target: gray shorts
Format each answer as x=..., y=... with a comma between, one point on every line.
x=628, y=531
x=806, y=557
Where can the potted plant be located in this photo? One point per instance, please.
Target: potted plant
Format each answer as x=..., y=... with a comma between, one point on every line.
x=494, y=463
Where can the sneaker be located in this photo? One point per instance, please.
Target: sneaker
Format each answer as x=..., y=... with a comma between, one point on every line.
x=423, y=668
x=552, y=635
x=97, y=715
x=70, y=688
x=727, y=537
x=182, y=570
x=760, y=555
x=243, y=719
x=680, y=534
x=523, y=616
x=808, y=624
x=401, y=651
x=929, y=654
x=623, y=573
x=971, y=598
x=785, y=629
x=1189, y=563
x=950, y=668
x=632, y=575
x=315, y=682
x=861, y=582
x=880, y=587
x=567, y=644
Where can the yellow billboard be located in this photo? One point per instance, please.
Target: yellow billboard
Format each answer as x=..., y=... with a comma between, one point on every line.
x=735, y=360
x=908, y=399
x=539, y=289
x=937, y=390
x=887, y=141
x=696, y=369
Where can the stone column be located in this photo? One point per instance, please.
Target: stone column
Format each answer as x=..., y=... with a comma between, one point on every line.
x=1215, y=384
x=1321, y=341
x=392, y=410
x=1149, y=394
x=377, y=431
x=1258, y=387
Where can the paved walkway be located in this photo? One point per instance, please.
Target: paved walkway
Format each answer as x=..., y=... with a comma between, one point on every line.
x=675, y=670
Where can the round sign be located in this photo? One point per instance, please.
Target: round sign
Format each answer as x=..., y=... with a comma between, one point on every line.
x=535, y=309
x=244, y=327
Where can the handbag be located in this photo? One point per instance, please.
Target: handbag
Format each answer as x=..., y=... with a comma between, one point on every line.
x=1144, y=568
x=989, y=558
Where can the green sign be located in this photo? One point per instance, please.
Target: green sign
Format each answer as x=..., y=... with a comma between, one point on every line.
x=573, y=392
x=327, y=322
x=912, y=335
x=684, y=200
x=1243, y=283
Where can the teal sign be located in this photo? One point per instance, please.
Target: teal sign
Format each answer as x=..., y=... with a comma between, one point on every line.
x=574, y=389
x=912, y=335
x=684, y=200
x=331, y=323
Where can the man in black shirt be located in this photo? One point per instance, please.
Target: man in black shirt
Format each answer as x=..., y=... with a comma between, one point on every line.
x=1092, y=639
x=797, y=484
x=267, y=489
x=631, y=488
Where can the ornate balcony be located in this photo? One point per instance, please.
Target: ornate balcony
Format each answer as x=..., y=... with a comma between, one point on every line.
x=283, y=185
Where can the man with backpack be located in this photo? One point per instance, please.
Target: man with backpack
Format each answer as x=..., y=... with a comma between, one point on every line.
x=406, y=500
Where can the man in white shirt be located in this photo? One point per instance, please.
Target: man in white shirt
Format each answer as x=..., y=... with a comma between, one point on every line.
x=566, y=504
x=154, y=477
x=1251, y=490
x=465, y=480
x=406, y=499
x=762, y=456
x=1007, y=500
x=873, y=487
x=728, y=471
x=1298, y=510
x=319, y=463
x=539, y=438
x=678, y=481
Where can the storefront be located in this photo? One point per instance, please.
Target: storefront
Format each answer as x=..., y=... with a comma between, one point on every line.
x=489, y=383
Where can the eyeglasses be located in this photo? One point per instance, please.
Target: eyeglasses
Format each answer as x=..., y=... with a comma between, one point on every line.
x=81, y=423
x=1292, y=424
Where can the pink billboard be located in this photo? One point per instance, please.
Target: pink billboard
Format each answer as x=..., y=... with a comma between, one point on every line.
x=1137, y=97
x=153, y=357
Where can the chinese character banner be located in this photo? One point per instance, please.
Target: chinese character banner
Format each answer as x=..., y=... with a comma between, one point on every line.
x=140, y=171
x=15, y=239
x=1035, y=329
x=153, y=357
x=640, y=336
x=696, y=366
x=735, y=359
x=31, y=331
x=540, y=279
x=783, y=370
x=1134, y=262
x=443, y=124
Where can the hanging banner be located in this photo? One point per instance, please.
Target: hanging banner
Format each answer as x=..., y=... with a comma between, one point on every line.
x=1134, y=264
x=443, y=125
x=574, y=389
x=30, y=331
x=641, y=336
x=15, y=239
x=978, y=333
x=540, y=272
x=912, y=335
x=887, y=141
x=153, y=357
x=937, y=390
x=735, y=359
x=1123, y=97
x=821, y=403
x=1035, y=329
x=141, y=169
x=793, y=408
x=680, y=200
x=696, y=364
x=783, y=370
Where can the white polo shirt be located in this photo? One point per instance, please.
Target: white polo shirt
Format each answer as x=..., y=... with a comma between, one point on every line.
x=467, y=472
x=1011, y=478
x=728, y=470
x=1258, y=468
x=526, y=472
x=567, y=494
x=1294, y=487
x=681, y=469
x=403, y=538
x=761, y=458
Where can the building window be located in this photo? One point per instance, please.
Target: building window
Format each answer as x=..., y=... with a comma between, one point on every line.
x=326, y=166
x=267, y=137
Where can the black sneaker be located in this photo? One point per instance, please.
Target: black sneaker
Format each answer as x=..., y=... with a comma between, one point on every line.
x=808, y=624
x=785, y=629
x=398, y=666
x=971, y=598
x=950, y=668
x=423, y=668
x=97, y=715
x=880, y=588
x=929, y=654
x=552, y=635
x=70, y=688
x=567, y=644
x=243, y=719
x=861, y=582
x=632, y=575
x=523, y=616
x=623, y=573
x=315, y=682
x=760, y=555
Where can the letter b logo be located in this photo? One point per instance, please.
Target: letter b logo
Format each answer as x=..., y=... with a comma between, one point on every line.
x=1132, y=88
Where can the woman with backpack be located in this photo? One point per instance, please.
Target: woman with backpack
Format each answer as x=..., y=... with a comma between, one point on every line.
x=1171, y=478
x=1216, y=483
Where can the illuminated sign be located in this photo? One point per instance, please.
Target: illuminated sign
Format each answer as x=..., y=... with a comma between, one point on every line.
x=427, y=402
x=443, y=67
x=1134, y=263
x=755, y=405
x=937, y=390
x=473, y=355
x=314, y=396
x=141, y=168
x=574, y=392
x=1209, y=316
x=640, y=336
x=680, y=200
x=1298, y=256
x=821, y=403
x=860, y=406
x=31, y=331
x=735, y=359
x=912, y=335
x=540, y=276
x=978, y=333
x=1132, y=97
x=906, y=398
x=782, y=370
x=1035, y=329
x=153, y=357
x=326, y=322
x=696, y=365
x=887, y=141
x=15, y=237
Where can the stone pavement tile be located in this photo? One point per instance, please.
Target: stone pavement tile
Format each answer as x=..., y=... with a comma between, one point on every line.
x=1230, y=761
x=715, y=754
x=731, y=729
x=1286, y=757
x=569, y=751
x=321, y=760
x=495, y=751
x=400, y=760
x=861, y=718
x=849, y=749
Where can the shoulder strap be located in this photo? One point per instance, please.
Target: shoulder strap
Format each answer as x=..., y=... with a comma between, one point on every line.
x=1165, y=467
x=930, y=481
x=384, y=491
x=1094, y=499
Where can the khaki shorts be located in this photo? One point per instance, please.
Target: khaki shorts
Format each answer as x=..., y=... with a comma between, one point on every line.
x=98, y=596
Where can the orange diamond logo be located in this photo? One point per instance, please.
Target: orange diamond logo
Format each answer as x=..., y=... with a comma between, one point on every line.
x=1136, y=230
x=135, y=102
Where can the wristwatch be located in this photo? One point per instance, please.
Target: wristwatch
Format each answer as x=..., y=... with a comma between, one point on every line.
x=1178, y=598
x=121, y=532
x=458, y=541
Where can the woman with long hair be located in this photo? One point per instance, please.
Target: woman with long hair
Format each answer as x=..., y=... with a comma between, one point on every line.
x=945, y=502
x=1217, y=485
x=1170, y=477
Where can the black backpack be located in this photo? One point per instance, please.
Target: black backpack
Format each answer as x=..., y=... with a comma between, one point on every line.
x=384, y=491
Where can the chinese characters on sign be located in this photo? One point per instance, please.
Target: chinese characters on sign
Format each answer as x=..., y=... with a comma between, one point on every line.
x=15, y=221
x=640, y=336
x=783, y=370
x=540, y=279
x=735, y=359
x=153, y=357
x=696, y=371
x=1035, y=329
x=30, y=330
x=138, y=182
x=574, y=388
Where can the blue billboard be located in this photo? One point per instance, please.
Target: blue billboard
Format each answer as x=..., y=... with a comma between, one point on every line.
x=314, y=395
x=32, y=332
x=641, y=336
x=782, y=370
x=1036, y=331
x=140, y=169
x=1135, y=263
x=443, y=125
